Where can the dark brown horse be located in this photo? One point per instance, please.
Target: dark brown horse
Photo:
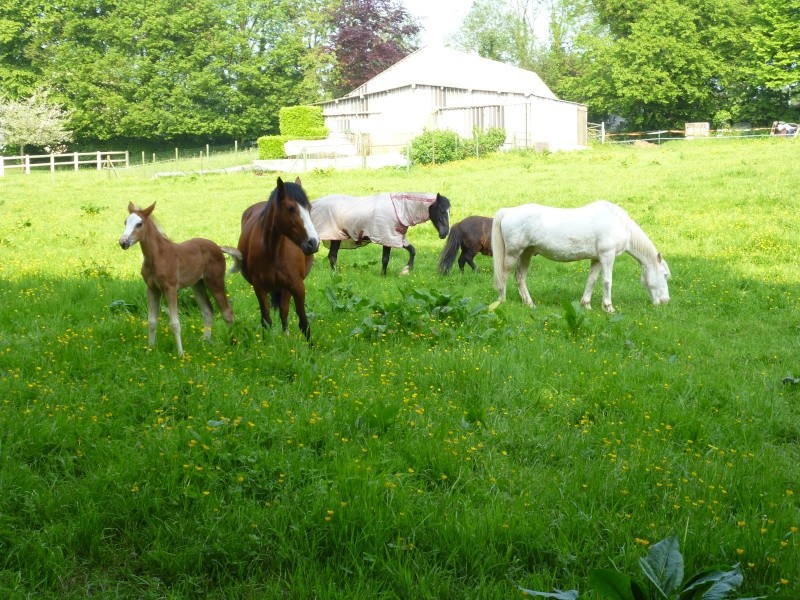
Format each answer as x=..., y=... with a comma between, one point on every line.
x=472, y=235
x=277, y=245
x=167, y=267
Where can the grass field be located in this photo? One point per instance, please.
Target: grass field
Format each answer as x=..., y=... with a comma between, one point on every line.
x=424, y=447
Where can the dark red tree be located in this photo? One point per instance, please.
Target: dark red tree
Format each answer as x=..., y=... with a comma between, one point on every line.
x=370, y=36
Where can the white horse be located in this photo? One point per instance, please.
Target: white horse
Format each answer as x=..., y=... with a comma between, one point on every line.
x=600, y=232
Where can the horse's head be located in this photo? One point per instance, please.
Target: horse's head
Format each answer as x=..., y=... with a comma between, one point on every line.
x=440, y=215
x=134, y=225
x=292, y=215
x=654, y=278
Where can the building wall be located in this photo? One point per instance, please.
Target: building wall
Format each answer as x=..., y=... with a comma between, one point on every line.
x=386, y=121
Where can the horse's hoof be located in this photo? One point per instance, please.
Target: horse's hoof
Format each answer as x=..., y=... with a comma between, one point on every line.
x=609, y=309
x=405, y=271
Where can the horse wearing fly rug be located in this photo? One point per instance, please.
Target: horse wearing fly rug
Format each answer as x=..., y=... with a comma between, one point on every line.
x=351, y=221
x=599, y=232
x=167, y=267
x=276, y=249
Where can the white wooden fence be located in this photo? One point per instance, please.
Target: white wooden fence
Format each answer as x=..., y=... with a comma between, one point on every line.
x=97, y=159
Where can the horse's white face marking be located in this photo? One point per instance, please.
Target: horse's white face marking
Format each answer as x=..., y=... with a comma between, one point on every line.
x=308, y=224
x=132, y=224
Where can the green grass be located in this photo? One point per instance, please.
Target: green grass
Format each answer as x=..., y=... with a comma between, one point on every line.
x=440, y=452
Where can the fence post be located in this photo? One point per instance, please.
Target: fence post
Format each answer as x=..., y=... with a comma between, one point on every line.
x=52, y=163
x=2, y=167
x=75, y=161
x=27, y=165
x=99, y=161
x=176, y=155
x=207, y=152
x=236, y=146
x=602, y=132
x=127, y=159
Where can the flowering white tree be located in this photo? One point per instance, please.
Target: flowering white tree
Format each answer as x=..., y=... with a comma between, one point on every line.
x=33, y=121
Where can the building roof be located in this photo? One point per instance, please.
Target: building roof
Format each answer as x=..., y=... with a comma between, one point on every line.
x=444, y=67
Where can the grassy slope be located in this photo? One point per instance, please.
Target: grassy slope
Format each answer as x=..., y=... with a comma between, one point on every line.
x=449, y=458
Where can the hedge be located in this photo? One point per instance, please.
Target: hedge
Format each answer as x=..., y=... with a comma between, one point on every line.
x=271, y=146
x=302, y=122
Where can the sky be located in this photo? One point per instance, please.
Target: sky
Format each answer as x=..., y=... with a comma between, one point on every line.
x=439, y=18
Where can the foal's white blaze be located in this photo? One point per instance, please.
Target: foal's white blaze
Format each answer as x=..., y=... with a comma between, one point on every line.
x=131, y=223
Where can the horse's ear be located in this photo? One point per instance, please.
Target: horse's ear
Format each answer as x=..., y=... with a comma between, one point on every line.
x=131, y=207
x=146, y=212
x=297, y=181
x=658, y=257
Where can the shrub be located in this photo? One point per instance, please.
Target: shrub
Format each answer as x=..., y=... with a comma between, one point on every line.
x=441, y=146
x=302, y=122
x=486, y=141
x=271, y=146
x=436, y=146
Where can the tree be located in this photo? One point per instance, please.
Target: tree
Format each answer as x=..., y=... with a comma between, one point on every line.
x=33, y=121
x=369, y=36
x=661, y=64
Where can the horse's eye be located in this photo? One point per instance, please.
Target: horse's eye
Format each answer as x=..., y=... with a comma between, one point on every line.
x=139, y=224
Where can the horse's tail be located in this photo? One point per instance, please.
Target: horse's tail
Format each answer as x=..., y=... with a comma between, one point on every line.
x=499, y=252
x=237, y=257
x=448, y=256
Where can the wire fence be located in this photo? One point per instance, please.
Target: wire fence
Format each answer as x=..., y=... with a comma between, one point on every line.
x=598, y=133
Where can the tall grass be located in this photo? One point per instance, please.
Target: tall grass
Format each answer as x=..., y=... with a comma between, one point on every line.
x=423, y=447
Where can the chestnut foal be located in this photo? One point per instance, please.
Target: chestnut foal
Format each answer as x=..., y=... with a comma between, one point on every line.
x=167, y=267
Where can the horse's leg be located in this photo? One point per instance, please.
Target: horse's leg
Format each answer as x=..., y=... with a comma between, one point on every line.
x=333, y=253
x=522, y=275
x=299, y=295
x=201, y=297
x=153, y=304
x=218, y=290
x=387, y=250
x=467, y=257
x=174, y=322
x=286, y=298
x=262, y=296
x=594, y=273
x=607, y=267
x=412, y=252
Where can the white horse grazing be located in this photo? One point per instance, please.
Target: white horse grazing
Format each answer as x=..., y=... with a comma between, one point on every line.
x=600, y=232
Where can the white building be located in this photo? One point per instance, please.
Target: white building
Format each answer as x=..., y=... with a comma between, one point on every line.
x=441, y=88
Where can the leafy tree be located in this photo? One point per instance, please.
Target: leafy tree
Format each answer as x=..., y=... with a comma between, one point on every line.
x=776, y=43
x=164, y=70
x=33, y=121
x=369, y=36
x=501, y=30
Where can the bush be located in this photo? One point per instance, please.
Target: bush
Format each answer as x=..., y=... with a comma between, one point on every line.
x=271, y=146
x=436, y=146
x=486, y=142
x=441, y=146
x=302, y=122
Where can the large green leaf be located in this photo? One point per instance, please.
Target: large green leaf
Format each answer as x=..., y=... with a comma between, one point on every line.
x=664, y=566
x=613, y=585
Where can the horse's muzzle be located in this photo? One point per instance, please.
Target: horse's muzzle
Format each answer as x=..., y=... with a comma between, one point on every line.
x=124, y=243
x=310, y=246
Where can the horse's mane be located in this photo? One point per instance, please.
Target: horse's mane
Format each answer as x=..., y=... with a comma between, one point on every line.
x=640, y=245
x=294, y=191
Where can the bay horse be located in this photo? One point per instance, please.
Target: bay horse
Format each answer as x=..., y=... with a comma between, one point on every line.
x=276, y=252
x=599, y=232
x=472, y=236
x=354, y=221
x=167, y=267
